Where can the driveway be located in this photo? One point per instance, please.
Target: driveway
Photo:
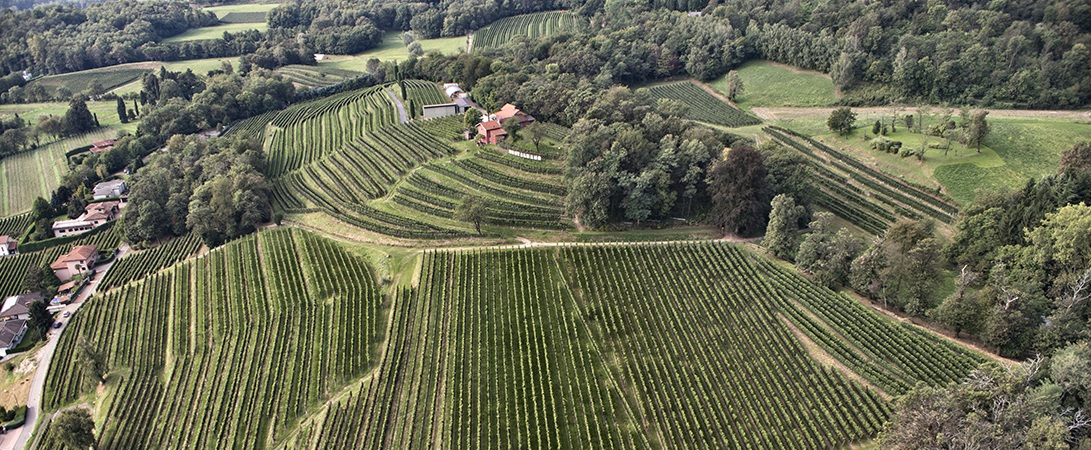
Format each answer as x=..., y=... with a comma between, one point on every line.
x=18, y=439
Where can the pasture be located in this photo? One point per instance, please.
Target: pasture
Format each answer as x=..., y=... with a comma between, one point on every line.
x=243, y=12
x=530, y=25
x=767, y=83
x=392, y=49
x=215, y=32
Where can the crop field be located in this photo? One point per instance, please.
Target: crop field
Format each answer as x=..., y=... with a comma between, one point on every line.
x=420, y=93
x=861, y=194
x=588, y=347
x=771, y=84
x=15, y=225
x=228, y=350
x=13, y=269
x=134, y=266
x=215, y=32
x=105, y=79
x=533, y=26
x=703, y=106
x=308, y=131
x=310, y=77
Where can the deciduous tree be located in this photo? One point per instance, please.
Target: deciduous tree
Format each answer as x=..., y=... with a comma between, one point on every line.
x=75, y=428
x=780, y=236
x=473, y=209
x=740, y=192
x=841, y=120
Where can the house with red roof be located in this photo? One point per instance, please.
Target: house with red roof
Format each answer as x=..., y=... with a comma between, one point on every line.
x=508, y=111
x=103, y=145
x=77, y=261
x=491, y=132
x=8, y=246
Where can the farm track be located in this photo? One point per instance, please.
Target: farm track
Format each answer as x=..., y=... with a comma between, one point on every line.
x=789, y=113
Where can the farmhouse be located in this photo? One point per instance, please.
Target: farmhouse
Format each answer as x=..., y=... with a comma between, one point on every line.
x=11, y=334
x=103, y=145
x=80, y=259
x=94, y=216
x=509, y=111
x=491, y=132
x=107, y=189
x=8, y=246
x=18, y=306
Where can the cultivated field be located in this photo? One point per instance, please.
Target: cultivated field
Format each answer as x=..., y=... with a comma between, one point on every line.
x=136, y=265
x=227, y=350
x=530, y=25
x=103, y=79
x=588, y=347
x=703, y=106
x=858, y=193
x=310, y=77
x=767, y=83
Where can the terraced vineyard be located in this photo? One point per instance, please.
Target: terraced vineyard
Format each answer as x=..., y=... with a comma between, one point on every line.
x=14, y=226
x=135, y=266
x=228, y=350
x=860, y=194
x=306, y=132
x=623, y=346
x=703, y=106
x=420, y=93
x=533, y=26
x=310, y=77
x=107, y=78
x=13, y=269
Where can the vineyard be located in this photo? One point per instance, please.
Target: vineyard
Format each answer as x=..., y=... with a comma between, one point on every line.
x=306, y=132
x=14, y=226
x=533, y=26
x=311, y=77
x=228, y=350
x=860, y=194
x=13, y=269
x=664, y=346
x=105, y=79
x=420, y=93
x=703, y=106
x=135, y=266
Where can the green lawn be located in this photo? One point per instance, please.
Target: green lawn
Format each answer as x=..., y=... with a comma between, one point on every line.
x=392, y=49
x=222, y=11
x=1016, y=150
x=215, y=32
x=771, y=84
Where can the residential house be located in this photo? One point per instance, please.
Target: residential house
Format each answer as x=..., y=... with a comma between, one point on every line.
x=77, y=261
x=11, y=334
x=18, y=306
x=491, y=132
x=94, y=216
x=103, y=145
x=8, y=246
x=509, y=111
x=107, y=189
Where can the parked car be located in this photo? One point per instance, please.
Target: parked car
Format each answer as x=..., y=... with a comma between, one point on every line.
x=57, y=324
x=66, y=314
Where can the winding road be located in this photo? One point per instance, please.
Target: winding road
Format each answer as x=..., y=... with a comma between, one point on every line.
x=45, y=356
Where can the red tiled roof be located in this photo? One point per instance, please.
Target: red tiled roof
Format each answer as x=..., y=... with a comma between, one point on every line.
x=78, y=253
x=491, y=125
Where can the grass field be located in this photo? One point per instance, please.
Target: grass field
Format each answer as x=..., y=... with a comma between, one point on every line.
x=392, y=49
x=216, y=32
x=251, y=11
x=1017, y=149
x=771, y=84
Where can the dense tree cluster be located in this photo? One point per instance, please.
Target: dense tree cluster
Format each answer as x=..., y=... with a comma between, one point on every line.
x=66, y=38
x=1040, y=404
x=213, y=187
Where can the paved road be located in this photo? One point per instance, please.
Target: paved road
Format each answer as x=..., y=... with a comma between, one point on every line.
x=45, y=355
x=398, y=103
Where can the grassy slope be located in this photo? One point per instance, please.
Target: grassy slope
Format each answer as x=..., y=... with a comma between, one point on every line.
x=224, y=10
x=392, y=49
x=771, y=84
x=1016, y=150
x=215, y=32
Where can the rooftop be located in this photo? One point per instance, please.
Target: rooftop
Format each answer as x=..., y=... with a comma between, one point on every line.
x=78, y=254
x=10, y=330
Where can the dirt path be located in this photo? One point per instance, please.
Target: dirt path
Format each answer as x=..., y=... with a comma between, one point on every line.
x=822, y=357
x=788, y=113
x=398, y=103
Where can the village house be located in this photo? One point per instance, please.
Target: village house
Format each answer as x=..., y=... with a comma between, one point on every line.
x=509, y=111
x=103, y=145
x=107, y=189
x=11, y=334
x=18, y=306
x=491, y=132
x=8, y=246
x=94, y=216
x=77, y=261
